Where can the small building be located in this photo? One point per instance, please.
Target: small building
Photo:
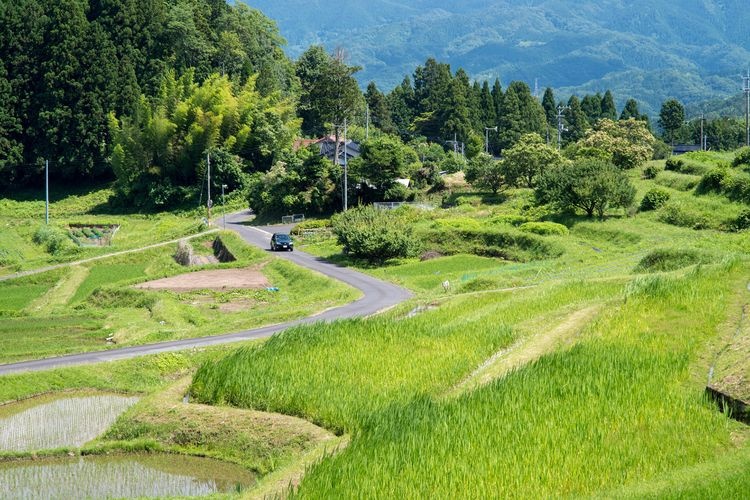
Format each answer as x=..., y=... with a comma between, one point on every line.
x=327, y=147
x=681, y=149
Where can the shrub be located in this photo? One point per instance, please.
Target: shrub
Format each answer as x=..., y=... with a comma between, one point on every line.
x=372, y=234
x=678, y=215
x=737, y=187
x=655, y=198
x=54, y=239
x=397, y=192
x=742, y=221
x=673, y=164
x=457, y=223
x=651, y=171
x=742, y=157
x=713, y=180
x=669, y=259
x=544, y=228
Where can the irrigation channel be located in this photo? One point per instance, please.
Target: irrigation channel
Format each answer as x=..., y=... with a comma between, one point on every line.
x=377, y=295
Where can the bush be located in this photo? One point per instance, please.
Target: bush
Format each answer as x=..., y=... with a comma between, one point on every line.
x=397, y=192
x=655, y=198
x=544, y=228
x=651, y=171
x=669, y=259
x=678, y=215
x=677, y=181
x=54, y=239
x=742, y=157
x=742, y=222
x=673, y=164
x=713, y=180
x=372, y=234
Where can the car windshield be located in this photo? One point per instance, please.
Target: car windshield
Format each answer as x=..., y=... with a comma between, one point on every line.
x=282, y=238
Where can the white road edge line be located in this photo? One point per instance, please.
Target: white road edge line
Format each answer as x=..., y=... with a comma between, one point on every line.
x=260, y=231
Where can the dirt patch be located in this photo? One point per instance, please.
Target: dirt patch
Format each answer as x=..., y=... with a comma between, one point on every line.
x=217, y=279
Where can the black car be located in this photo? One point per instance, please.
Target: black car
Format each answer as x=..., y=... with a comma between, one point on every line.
x=281, y=241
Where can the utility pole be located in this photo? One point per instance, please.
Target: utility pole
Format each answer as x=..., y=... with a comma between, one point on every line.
x=487, y=138
x=224, y=205
x=346, y=180
x=703, y=142
x=746, y=89
x=46, y=192
x=560, y=128
x=208, y=188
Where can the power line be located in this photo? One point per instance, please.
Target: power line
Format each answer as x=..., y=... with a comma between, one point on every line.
x=560, y=128
x=746, y=89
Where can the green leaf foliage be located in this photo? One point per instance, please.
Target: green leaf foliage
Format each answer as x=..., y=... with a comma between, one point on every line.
x=372, y=234
x=593, y=186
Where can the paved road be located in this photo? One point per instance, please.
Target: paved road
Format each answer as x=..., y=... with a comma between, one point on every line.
x=377, y=296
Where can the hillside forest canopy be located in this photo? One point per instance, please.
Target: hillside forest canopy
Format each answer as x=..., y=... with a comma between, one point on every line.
x=142, y=92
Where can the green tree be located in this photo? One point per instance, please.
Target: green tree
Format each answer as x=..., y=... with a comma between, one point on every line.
x=550, y=107
x=576, y=123
x=487, y=106
x=521, y=113
x=383, y=160
x=593, y=186
x=627, y=143
x=591, y=105
x=380, y=114
x=484, y=172
x=609, y=110
x=401, y=103
x=156, y=151
x=529, y=158
x=671, y=119
x=304, y=182
x=330, y=92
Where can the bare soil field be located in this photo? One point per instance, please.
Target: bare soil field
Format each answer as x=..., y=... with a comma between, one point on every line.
x=217, y=279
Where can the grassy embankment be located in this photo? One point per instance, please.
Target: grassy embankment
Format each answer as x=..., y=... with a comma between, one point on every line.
x=618, y=408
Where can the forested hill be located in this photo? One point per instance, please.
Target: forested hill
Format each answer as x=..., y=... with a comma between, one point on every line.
x=646, y=49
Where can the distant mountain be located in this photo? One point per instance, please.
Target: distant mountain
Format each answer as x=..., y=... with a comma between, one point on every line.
x=693, y=50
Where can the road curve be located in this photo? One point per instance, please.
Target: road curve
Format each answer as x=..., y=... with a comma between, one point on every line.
x=376, y=296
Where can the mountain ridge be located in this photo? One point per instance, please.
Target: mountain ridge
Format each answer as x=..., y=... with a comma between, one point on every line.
x=647, y=50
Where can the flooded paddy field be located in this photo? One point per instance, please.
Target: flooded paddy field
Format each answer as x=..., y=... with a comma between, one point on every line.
x=120, y=476
x=67, y=422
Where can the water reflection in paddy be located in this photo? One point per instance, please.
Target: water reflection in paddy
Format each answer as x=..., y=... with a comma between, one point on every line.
x=123, y=476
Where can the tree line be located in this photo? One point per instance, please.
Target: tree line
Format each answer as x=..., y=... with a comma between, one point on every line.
x=144, y=92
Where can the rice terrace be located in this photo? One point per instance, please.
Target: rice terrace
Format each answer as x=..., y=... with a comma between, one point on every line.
x=490, y=289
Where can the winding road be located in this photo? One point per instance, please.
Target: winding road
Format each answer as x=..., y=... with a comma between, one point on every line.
x=376, y=296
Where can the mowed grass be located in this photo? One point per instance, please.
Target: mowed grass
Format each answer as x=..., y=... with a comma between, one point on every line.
x=624, y=406
x=44, y=337
x=339, y=374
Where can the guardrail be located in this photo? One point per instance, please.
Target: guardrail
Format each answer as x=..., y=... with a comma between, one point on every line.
x=292, y=219
x=390, y=205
